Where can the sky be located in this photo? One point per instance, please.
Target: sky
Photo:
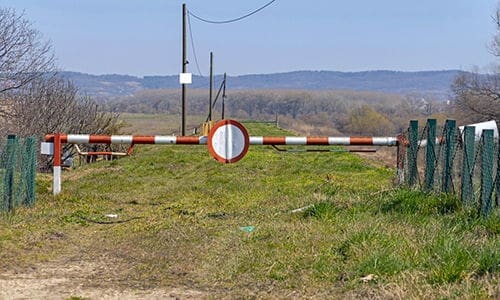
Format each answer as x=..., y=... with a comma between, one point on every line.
x=143, y=37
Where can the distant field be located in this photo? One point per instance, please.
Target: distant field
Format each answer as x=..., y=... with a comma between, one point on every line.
x=274, y=225
x=157, y=124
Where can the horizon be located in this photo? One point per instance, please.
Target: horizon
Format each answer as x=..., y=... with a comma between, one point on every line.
x=250, y=74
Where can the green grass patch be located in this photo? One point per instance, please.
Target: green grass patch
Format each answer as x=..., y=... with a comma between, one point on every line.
x=411, y=202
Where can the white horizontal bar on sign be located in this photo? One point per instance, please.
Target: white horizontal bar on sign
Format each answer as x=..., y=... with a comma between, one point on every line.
x=339, y=140
x=385, y=141
x=165, y=139
x=256, y=140
x=78, y=138
x=121, y=139
x=296, y=140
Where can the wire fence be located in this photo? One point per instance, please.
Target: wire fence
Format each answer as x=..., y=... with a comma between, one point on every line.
x=18, y=163
x=448, y=159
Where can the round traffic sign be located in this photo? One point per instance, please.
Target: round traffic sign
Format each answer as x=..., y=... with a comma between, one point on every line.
x=228, y=141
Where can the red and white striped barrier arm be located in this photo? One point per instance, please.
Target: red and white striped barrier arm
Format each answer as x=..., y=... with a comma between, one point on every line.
x=318, y=141
x=202, y=140
x=128, y=139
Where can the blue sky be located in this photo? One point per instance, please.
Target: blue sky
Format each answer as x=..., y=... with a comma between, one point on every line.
x=141, y=37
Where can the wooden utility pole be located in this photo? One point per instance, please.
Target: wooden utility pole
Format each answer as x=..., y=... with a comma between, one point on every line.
x=223, y=96
x=211, y=87
x=184, y=67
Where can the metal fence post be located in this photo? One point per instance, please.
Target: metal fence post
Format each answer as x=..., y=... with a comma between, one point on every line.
x=486, y=171
x=400, y=158
x=467, y=193
x=430, y=154
x=498, y=175
x=10, y=164
x=412, y=153
x=449, y=146
x=30, y=170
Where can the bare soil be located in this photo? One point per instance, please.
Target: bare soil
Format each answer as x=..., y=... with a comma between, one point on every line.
x=80, y=280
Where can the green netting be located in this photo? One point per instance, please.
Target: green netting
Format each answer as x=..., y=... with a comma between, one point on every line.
x=453, y=161
x=17, y=172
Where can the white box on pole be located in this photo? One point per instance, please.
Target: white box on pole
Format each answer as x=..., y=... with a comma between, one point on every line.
x=47, y=148
x=185, y=78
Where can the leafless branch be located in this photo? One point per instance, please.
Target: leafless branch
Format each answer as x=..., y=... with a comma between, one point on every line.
x=24, y=55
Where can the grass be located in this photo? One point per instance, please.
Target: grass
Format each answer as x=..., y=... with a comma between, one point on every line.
x=182, y=215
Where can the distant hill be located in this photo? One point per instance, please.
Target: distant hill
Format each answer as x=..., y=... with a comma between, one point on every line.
x=436, y=83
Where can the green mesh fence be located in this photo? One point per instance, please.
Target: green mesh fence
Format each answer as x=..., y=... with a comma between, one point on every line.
x=449, y=160
x=17, y=172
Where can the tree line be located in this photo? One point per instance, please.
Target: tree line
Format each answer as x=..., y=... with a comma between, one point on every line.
x=349, y=112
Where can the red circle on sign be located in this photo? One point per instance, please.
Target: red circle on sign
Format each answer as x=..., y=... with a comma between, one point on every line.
x=218, y=134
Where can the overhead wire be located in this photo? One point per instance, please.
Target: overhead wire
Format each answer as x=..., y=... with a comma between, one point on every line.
x=231, y=20
x=222, y=86
x=192, y=46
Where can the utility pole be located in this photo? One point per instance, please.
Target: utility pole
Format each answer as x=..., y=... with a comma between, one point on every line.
x=223, y=96
x=184, y=65
x=211, y=87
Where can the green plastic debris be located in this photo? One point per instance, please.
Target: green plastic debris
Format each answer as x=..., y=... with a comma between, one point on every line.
x=247, y=228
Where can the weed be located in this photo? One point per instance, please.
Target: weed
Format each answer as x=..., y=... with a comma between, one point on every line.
x=411, y=202
x=488, y=260
x=450, y=261
x=322, y=210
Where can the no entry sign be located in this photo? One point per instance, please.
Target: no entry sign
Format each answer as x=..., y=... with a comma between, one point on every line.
x=228, y=141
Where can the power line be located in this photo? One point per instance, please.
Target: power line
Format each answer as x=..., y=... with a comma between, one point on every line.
x=192, y=46
x=231, y=20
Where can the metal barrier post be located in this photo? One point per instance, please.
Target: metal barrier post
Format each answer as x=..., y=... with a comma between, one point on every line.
x=56, y=184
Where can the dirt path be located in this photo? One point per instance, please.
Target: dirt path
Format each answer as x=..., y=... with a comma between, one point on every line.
x=76, y=279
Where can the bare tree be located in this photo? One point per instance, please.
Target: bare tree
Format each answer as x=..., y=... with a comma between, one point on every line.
x=495, y=43
x=477, y=96
x=49, y=105
x=24, y=55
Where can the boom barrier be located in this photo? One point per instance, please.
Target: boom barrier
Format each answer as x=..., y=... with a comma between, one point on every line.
x=228, y=142
x=202, y=140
